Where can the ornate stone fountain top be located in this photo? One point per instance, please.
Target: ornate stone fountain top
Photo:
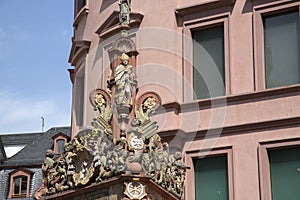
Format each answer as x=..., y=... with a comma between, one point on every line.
x=123, y=141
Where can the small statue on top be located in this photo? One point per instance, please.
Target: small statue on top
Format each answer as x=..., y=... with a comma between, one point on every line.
x=124, y=17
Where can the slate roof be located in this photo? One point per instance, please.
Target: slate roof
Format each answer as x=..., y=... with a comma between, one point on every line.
x=34, y=152
x=19, y=139
x=2, y=152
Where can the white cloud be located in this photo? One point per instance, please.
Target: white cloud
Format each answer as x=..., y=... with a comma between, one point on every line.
x=23, y=114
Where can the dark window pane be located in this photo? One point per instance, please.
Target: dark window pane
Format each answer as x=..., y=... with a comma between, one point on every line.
x=24, y=185
x=17, y=181
x=281, y=40
x=211, y=178
x=60, y=146
x=208, y=61
x=285, y=177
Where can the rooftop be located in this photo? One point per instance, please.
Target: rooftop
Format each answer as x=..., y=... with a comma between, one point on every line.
x=36, y=145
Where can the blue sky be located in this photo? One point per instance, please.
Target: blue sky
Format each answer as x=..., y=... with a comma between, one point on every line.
x=35, y=42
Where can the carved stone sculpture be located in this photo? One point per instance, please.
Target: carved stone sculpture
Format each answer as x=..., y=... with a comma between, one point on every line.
x=112, y=148
x=124, y=16
x=94, y=155
x=124, y=79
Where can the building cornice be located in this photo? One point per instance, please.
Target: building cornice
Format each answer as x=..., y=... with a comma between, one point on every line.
x=78, y=49
x=179, y=136
x=206, y=5
x=223, y=101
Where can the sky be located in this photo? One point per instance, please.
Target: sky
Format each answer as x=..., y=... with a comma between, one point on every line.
x=35, y=42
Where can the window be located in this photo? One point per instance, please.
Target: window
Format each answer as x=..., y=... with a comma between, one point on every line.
x=285, y=177
x=279, y=165
x=19, y=183
x=20, y=186
x=211, y=178
x=276, y=44
x=60, y=145
x=60, y=140
x=208, y=62
x=282, y=49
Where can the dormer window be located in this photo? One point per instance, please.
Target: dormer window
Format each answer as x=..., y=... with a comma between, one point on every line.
x=19, y=184
x=60, y=145
x=60, y=140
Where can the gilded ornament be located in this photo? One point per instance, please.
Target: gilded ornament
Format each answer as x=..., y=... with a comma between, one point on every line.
x=149, y=103
x=99, y=100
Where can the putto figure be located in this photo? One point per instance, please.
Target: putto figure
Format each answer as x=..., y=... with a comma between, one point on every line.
x=124, y=12
x=124, y=79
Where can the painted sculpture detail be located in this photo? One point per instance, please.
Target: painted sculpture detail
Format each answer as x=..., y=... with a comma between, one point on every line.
x=123, y=140
x=94, y=155
x=124, y=78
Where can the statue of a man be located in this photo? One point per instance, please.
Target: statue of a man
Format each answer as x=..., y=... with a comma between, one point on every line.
x=124, y=79
x=124, y=12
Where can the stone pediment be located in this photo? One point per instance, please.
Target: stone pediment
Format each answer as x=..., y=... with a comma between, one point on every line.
x=111, y=25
